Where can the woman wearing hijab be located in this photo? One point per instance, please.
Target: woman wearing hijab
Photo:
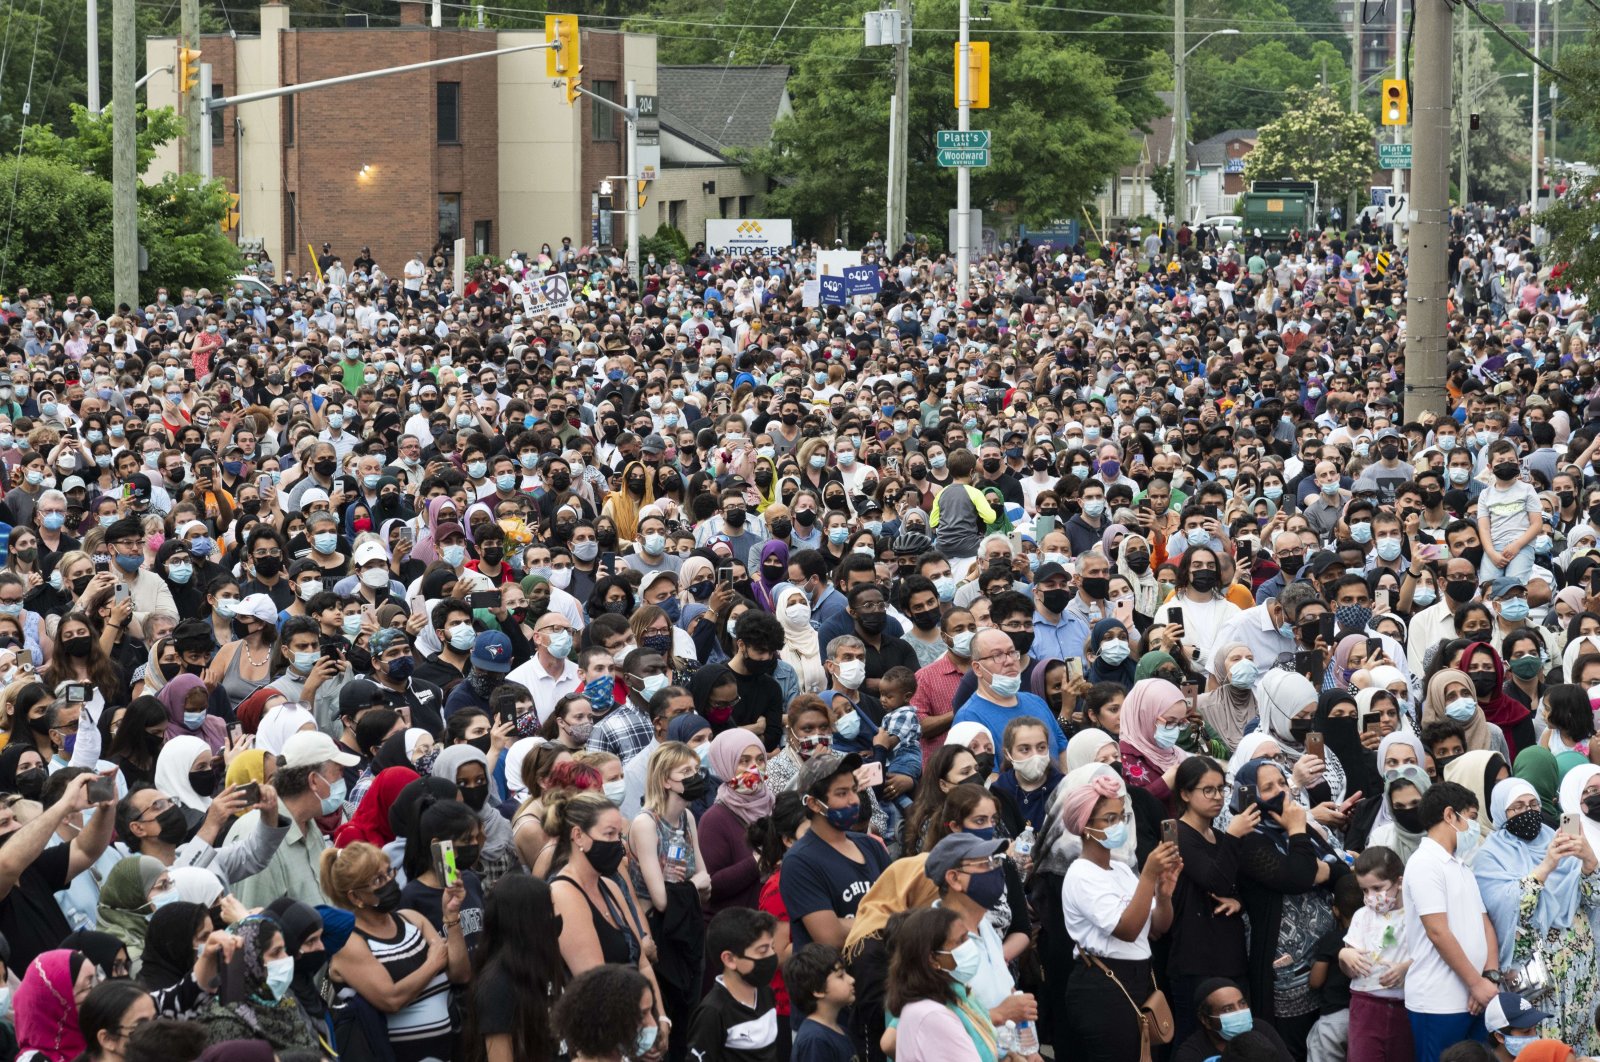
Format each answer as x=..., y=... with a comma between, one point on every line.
x=1109, y=649
x=370, y=822
x=1335, y=718
x=1134, y=563
x=109, y=955
x=169, y=945
x=1085, y=748
x=303, y=938
x=1288, y=704
x=738, y=757
x=1499, y=708
x=696, y=731
x=185, y=771
x=1540, y=890
x=1337, y=677
x=441, y=510
x=1537, y=766
x=1287, y=871
x=23, y=770
x=1154, y=716
x=136, y=888
x=468, y=768
x=269, y=1010
x=1230, y=705
x=46, y=1005
x=1451, y=696
x=801, y=650
x=185, y=699
x=773, y=572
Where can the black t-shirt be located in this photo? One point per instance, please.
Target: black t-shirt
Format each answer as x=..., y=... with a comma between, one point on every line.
x=29, y=915
x=760, y=697
x=1334, y=995
x=497, y=1006
x=815, y=1042
x=428, y=902
x=725, y=1030
x=818, y=878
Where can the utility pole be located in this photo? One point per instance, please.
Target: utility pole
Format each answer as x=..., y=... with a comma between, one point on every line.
x=1533, y=154
x=1180, y=129
x=1351, y=208
x=1466, y=107
x=964, y=173
x=1555, y=87
x=189, y=26
x=901, y=127
x=92, y=67
x=889, y=244
x=124, y=206
x=1397, y=234
x=1427, y=265
x=632, y=185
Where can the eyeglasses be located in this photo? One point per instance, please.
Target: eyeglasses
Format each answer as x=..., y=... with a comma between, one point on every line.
x=1004, y=656
x=1212, y=791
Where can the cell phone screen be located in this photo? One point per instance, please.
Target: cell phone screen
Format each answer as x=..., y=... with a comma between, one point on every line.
x=1175, y=615
x=1326, y=628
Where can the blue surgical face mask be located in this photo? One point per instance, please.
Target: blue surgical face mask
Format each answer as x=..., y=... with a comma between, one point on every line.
x=1167, y=735
x=454, y=556
x=1234, y=1023
x=1423, y=596
x=1514, y=609
x=192, y=720
x=1115, y=837
x=1361, y=532
x=304, y=662
x=335, y=798
x=1114, y=651
x=1461, y=709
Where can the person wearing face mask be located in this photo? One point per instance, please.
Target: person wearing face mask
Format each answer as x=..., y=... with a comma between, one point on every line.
x=1111, y=911
x=1454, y=971
x=472, y=773
x=396, y=956
x=829, y=869
x=424, y=892
x=1024, y=788
x=938, y=682
x=1524, y=857
x=136, y=888
x=269, y=1010
x=999, y=697
x=969, y=871
x=309, y=785
x=395, y=683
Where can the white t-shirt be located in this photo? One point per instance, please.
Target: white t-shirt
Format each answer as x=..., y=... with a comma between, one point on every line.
x=1381, y=939
x=1509, y=510
x=1436, y=882
x=1092, y=902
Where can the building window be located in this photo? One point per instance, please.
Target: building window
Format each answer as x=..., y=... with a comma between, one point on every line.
x=725, y=207
x=481, y=232
x=450, y=217
x=217, y=124
x=746, y=204
x=449, y=112
x=288, y=121
x=677, y=212
x=605, y=119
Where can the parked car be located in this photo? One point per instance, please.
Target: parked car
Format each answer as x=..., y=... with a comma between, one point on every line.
x=252, y=285
x=1227, y=225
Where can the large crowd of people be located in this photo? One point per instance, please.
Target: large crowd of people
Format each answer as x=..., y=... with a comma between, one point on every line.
x=1094, y=663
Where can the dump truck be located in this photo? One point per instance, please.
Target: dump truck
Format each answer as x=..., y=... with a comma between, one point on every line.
x=1276, y=208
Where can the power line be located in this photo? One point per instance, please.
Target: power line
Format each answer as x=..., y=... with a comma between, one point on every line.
x=1472, y=6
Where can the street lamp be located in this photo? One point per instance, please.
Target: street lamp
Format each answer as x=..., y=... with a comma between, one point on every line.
x=1468, y=99
x=1180, y=116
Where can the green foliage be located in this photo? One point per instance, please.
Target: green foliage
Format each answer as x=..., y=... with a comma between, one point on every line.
x=89, y=147
x=1161, y=183
x=1059, y=129
x=1319, y=140
x=58, y=236
x=1573, y=222
x=1244, y=90
x=180, y=226
x=1497, y=155
x=667, y=244
x=478, y=260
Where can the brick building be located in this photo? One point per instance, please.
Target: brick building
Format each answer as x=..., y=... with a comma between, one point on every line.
x=487, y=150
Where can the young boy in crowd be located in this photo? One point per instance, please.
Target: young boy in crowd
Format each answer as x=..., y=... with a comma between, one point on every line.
x=1445, y=740
x=819, y=988
x=737, y=1021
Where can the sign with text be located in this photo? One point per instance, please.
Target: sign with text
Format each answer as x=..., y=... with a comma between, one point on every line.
x=833, y=291
x=1394, y=156
x=862, y=280
x=751, y=234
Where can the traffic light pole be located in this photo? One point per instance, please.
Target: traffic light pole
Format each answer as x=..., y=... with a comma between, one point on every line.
x=631, y=188
x=1427, y=268
x=124, y=167
x=189, y=37
x=963, y=173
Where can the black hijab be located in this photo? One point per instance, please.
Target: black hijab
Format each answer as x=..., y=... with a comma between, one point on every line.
x=169, y=944
x=1343, y=739
x=99, y=948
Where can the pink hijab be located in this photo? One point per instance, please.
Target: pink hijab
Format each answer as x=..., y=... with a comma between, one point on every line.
x=425, y=549
x=726, y=748
x=45, y=1008
x=1140, y=712
x=172, y=697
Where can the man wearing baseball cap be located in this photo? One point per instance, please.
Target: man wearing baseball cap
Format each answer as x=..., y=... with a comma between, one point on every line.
x=310, y=784
x=1512, y=1024
x=971, y=874
x=830, y=869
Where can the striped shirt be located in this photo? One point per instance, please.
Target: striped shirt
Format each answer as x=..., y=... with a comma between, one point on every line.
x=421, y=1029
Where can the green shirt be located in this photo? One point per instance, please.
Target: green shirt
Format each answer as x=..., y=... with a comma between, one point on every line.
x=293, y=871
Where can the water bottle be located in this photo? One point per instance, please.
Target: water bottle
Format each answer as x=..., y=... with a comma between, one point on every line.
x=1022, y=847
x=1006, y=1039
x=1025, y=1035
x=677, y=856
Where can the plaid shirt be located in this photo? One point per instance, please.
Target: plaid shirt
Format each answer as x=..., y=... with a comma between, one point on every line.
x=936, y=692
x=623, y=732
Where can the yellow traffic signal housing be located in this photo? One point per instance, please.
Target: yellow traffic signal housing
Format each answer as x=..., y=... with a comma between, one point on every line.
x=1396, y=110
x=574, y=81
x=230, y=218
x=642, y=196
x=561, y=31
x=977, y=74
x=188, y=69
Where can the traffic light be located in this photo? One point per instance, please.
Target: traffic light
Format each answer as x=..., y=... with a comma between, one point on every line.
x=561, y=31
x=642, y=196
x=1475, y=121
x=230, y=218
x=1394, y=102
x=977, y=74
x=188, y=69
x=573, y=83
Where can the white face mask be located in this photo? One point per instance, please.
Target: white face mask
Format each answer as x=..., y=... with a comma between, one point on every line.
x=852, y=673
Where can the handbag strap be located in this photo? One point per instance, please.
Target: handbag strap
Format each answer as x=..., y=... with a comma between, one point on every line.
x=1139, y=1011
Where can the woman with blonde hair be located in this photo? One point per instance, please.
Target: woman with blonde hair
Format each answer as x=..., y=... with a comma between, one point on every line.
x=669, y=872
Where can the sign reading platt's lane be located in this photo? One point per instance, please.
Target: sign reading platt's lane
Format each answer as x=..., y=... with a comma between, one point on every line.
x=956, y=138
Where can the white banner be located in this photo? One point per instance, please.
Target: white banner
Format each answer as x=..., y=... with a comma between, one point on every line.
x=751, y=234
x=832, y=263
x=550, y=296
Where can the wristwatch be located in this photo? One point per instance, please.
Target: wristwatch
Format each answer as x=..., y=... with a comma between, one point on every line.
x=1492, y=976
